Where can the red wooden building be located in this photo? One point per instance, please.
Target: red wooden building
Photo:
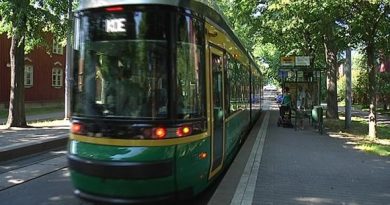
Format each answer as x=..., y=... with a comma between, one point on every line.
x=44, y=71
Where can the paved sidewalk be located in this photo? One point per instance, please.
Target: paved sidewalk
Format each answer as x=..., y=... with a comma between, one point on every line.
x=302, y=168
x=18, y=142
x=32, y=118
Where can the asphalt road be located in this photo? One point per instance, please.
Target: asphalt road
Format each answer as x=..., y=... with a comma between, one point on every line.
x=43, y=179
x=40, y=180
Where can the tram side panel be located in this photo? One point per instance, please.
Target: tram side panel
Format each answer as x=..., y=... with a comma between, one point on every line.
x=192, y=167
x=235, y=130
x=235, y=85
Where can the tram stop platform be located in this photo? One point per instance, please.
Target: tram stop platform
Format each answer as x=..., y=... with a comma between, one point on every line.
x=282, y=166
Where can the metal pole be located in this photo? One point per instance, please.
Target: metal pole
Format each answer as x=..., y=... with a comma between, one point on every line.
x=348, y=89
x=319, y=89
x=296, y=98
x=68, y=75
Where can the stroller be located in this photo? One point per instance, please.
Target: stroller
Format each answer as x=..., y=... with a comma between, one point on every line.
x=284, y=119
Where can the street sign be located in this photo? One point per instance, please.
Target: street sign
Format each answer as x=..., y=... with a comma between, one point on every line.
x=295, y=61
x=302, y=60
x=287, y=61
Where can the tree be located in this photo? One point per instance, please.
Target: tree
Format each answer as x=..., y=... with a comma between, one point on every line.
x=269, y=57
x=243, y=15
x=321, y=29
x=26, y=22
x=240, y=15
x=313, y=28
x=369, y=22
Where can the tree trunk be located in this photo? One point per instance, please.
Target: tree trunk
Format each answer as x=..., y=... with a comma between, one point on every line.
x=332, y=66
x=16, y=113
x=384, y=104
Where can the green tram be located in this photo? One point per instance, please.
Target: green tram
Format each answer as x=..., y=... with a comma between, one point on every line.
x=162, y=97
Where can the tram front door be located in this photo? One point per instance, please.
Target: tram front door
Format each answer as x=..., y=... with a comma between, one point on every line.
x=218, y=141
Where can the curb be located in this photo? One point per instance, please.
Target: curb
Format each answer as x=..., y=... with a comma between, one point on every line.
x=227, y=187
x=24, y=149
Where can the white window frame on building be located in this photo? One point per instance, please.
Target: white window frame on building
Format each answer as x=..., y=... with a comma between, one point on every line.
x=57, y=74
x=28, y=76
x=57, y=48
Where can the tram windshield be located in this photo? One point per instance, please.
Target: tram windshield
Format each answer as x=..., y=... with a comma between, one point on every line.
x=121, y=65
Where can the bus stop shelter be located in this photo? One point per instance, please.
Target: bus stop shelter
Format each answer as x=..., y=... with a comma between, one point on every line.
x=299, y=75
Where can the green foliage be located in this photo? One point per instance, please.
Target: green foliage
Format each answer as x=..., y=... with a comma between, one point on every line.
x=269, y=58
x=341, y=88
x=240, y=14
x=28, y=23
x=297, y=27
x=381, y=150
x=359, y=86
x=31, y=19
x=368, y=23
x=358, y=134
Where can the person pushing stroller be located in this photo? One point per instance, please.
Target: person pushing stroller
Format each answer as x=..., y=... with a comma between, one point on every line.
x=285, y=109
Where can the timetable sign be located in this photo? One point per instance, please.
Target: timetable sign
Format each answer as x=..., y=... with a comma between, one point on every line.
x=115, y=25
x=287, y=61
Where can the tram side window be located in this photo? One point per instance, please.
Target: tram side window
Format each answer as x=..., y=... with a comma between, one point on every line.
x=229, y=82
x=190, y=71
x=245, y=88
x=256, y=82
x=235, y=83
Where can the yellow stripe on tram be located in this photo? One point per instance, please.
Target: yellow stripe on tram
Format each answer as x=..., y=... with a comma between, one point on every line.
x=138, y=142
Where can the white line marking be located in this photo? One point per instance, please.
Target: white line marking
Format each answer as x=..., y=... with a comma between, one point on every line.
x=246, y=187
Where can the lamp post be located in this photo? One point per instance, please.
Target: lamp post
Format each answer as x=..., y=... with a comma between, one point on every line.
x=68, y=75
x=348, y=89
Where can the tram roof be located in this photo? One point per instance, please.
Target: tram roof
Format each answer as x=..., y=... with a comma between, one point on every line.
x=207, y=8
x=88, y=4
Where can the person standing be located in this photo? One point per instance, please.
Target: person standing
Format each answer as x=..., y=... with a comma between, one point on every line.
x=301, y=98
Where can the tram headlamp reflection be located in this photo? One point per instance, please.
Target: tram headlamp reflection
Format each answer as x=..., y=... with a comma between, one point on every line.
x=202, y=155
x=77, y=128
x=159, y=132
x=183, y=131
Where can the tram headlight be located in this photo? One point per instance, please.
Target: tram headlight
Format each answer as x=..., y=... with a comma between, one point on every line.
x=78, y=128
x=159, y=133
x=183, y=131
